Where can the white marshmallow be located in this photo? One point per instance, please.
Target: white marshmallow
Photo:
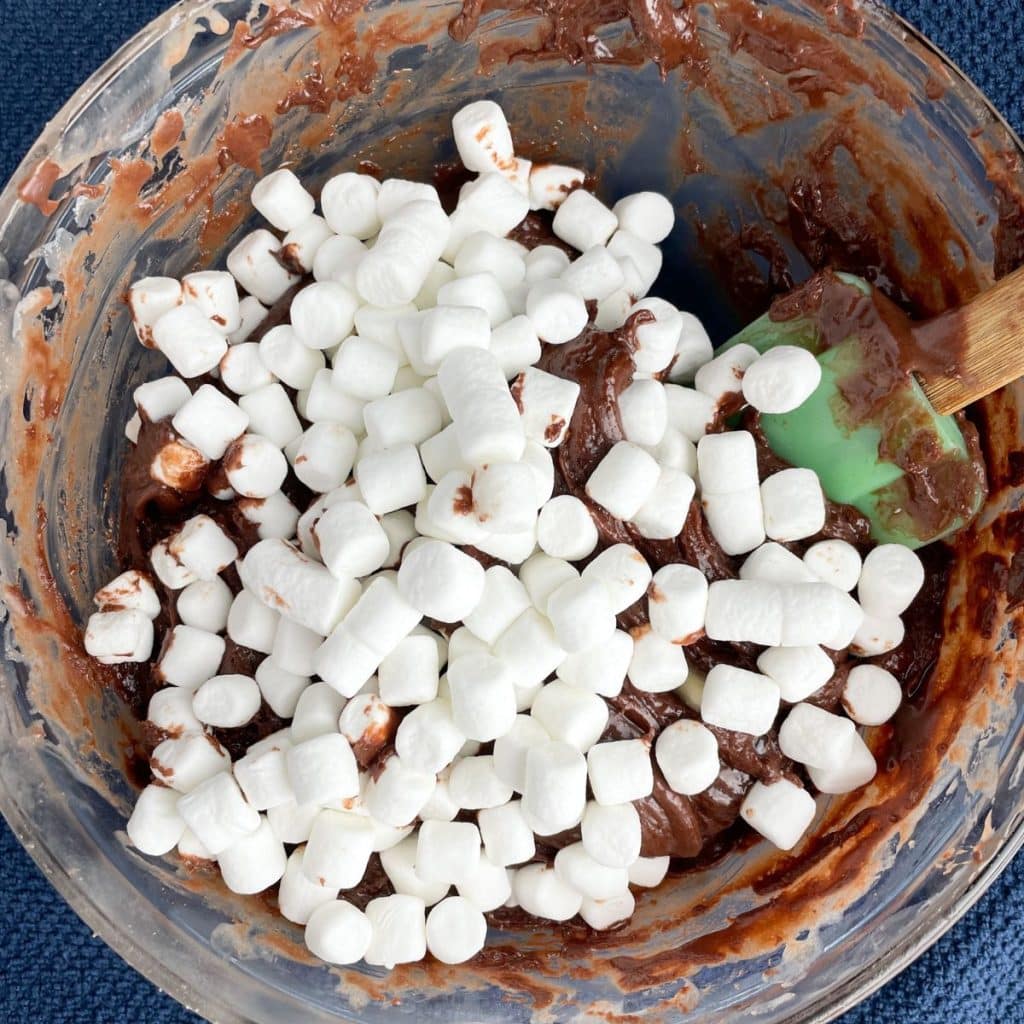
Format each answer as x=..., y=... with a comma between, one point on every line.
x=818, y=613
x=506, y=835
x=693, y=349
x=557, y=311
x=577, y=868
x=692, y=691
x=446, y=328
x=292, y=823
x=409, y=674
x=542, y=893
x=399, y=863
x=484, y=142
x=216, y=295
x=513, y=548
x=655, y=338
x=483, y=696
x=162, y=398
x=547, y=403
x=623, y=480
x=613, y=312
x=271, y=414
x=399, y=931
x=440, y=274
x=264, y=778
x=351, y=540
x=131, y=591
x=397, y=794
x=624, y=572
x=399, y=527
x=813, y=736
x=301, y=243
x=190, y=657
x=186, y=761
x=555, y=790
x=251, y=313
x=662, y=515
x=483, y=253
x=583, y=220
x=409, y=244
x=871, y=696
x=503, y=600
x=382, y=617
x=602, y=667
x=397, y=192
x=889, y=581
x=349, y=203
x=456, y=930
x=298, y=899
x=409, y=416
x=781, y=380
x=170, y=710
x=648, y=215
x=793, y=503
x=447, y=851
x=148, y=299
x=391, y=479
x=739, y=700
x=603, y=914
x=797, y=671
x=428, y=738
x=640, y=260
x=488, y=888
x=280, y=197
x=275, y=517
x=857, y=769
x=368, y=724
x=253, y=863
x=297, y=587
x=620, y=771
x=336, y=932
x=772, y=563
x=364, y=368
x=294, y=648
x=218, y=814
x=565, y=528
x=339, y=848
x=202, y=547
x=155, y=826
x=550, y=184
x=515, y=345
x=511, y=748
x=192, y=344
x=723, y=375
x=677, y=602
x=255, y=466
x=286, y=355
x=504, y=497
x=491, y=203
x=481, y=291
x=745, y=611
x=337, y=259
x=727, y=462
x=648, y=872
x=168, y=570
x=447, y=511
x=781, y=812
x=657, y=665
x=519, y=175
x=322, y=315
x=251, y=623
x=877, y=636
x=530, y=649
x=382, y=324
x=191, y=849
x=581, y=614
x=643, y=410
x=440, y=581
x=473, y=783
x=692, y=412
x=545, y=262
x=254, y=265
x=322, y=769
x=570, y=715
x=316, y=713
x=210, y=421
x=611, y=834
x=595, y=275
x=835, y=562
x=227, y=702
x=441, y=454
x=242, y=369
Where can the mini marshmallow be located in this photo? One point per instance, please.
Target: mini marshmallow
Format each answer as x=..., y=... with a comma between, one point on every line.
x=662, y=515
x=368, y=724
x=876, y=636
x=192, y=344
x=190, y=848
x=299, y=588
x=254, y=862
x=391, y=479
x=745, y=611
x=677, y=603
x=657, y=665
x=316, y=713
x=155, y=826
x=428, y=739
x=218, y=814
x=227, y=702
x=583, y=220
x=397, y=192
x=480, y=291
x=603, y=914
x=620, y=771
x=440, y=581
x=322, y=769
x=294, y=648
x=611, y=834
x=409, y=674
x=488, y=888
x=456, y=930
x=339, y=848
x=857, y=769
x=648, y=872
x=555, y=790
x=345, y=662
x=595, y=275
x=440, y=274
x=511, y=748
x=190, y=657
x=473, y=783
x=186, y=761
x=336, y=932
x=483, y=696
x=251, y=623
x=504, y=497
x=202, y=547
x=577, y=868
x=408, y=246
x=834, y=561
x=399, y=931
x=797, y=671
x=298, y=899
x=289, y=358
x=483, y=140
x=624, y=573
x=772, y=563
x=447, y=851
x=170, y=710
x=613, y=312
x=581, y=613
x=447, y=512
x=643, y=410
x=216, y=295
x=871, y=696
x=210, y=421
x=337, y=258
x=254, y=265
x=519, y=175
x=275, y=517
x=409, y=416
x=889, y=581
x=322, y=315
x=530, y=649
x=648, y=215
x=723, y=375
x=656, y=335
x=349, y=203
x=513, y=548
x=818, y=613
x=793, y=503
x=727, y=462
x=292, y=823
x=440, y=806
x=565, y=528
x=813, y=736
x=382, y=617
x=542, y=893
x=691, y=693
x=557, y=311
x=781, y=812
x=506, y=835
x=396, y=795
x=515, y=345
x=382, y=324
x=327, y=402
x=550, y=184
x=255, y=467
x=692, y=412
x=602, y=667
x=739, y=700
x=299, y=246
x=623, y=480
x=503, y=600
x=441, y=454
x=640, y=260
x=242, y=369
x=351, y=540
x=570, y=715
x=162, y=398
x=271, y=414
x=148, y=299
x=448, y=327
x=167, y=569
x=263, y=777
x=280, y=197
x=483, y=253
x=490, y=203
x=547, y=403
x=251, y=313
x=399, y=864
x=399, y=527
x=131, y=591
x=781, y=380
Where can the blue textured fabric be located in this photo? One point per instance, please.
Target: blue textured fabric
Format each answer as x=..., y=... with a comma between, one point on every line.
x=52, y=970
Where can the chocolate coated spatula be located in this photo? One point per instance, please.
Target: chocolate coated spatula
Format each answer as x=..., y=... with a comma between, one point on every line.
x=879, y=437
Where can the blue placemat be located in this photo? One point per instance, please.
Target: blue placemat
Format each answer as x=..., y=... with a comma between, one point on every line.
x=53, y=971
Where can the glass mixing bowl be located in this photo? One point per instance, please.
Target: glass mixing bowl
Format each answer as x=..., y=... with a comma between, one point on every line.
x=867, y=149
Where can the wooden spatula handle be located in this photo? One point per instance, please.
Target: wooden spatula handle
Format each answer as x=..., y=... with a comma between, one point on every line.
x=989, y=334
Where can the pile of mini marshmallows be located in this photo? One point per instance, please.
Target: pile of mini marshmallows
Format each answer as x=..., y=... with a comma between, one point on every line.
x=422, y=425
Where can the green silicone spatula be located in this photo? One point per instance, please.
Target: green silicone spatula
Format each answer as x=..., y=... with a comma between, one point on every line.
x=879, y=437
